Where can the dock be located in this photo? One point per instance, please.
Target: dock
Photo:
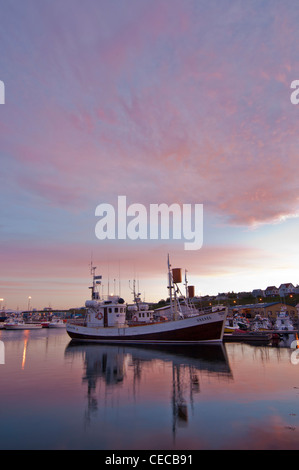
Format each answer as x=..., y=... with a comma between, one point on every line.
x=256, y=336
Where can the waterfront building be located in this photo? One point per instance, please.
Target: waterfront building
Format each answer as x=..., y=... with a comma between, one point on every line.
x=271, y=291
x=258, y=293
x=286, y=289
x=266, y=309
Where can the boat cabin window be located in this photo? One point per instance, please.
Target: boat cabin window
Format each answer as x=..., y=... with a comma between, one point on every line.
x=116, y=309
x=110, y=310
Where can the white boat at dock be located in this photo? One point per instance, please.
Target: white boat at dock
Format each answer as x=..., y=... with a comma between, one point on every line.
x=57, y=323
x=53, y=322
x=18, y=324
x=283, y=321
x=106, y=321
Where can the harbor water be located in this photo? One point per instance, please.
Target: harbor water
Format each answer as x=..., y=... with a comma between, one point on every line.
x=56, y=394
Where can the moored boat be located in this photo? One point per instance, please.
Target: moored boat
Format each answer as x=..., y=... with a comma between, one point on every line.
x=18, y=324
x=283, y=321
x=106, y=322
x=235, y=323
x=57, y=323
x=248, y=336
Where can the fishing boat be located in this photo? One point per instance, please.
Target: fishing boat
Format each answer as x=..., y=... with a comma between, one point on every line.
x=283, y=321
x=106, y=321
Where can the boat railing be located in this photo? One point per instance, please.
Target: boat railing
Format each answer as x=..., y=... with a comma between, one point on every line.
x=83, y=322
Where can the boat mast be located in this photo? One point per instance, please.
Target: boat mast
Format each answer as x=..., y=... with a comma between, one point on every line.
x=136, y=296
x=186, y=284
x=170, y=284
x=92, y=272
x=172, y=296
x=94, y=292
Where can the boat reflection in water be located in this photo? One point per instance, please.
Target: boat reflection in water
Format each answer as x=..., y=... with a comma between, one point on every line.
x=114, y=366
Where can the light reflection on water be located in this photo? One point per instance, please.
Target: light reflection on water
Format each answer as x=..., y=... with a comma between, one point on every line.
x=56, y=394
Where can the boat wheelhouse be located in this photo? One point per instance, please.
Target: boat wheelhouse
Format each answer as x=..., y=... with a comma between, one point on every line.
x=139, y=312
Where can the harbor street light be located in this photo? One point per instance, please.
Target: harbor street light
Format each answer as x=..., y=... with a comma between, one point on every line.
x=29, y=298
x=1, y=300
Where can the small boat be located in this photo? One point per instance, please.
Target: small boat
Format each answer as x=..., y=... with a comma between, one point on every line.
x=283, y=321
x=18, y=324
x=261, y=324
x=235, y=323
x=56, y=323
x=106, y=321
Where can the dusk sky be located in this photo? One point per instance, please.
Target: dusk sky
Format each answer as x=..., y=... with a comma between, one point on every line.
x=161, y=101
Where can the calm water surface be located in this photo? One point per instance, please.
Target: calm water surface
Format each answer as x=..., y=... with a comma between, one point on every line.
x=56, y=394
